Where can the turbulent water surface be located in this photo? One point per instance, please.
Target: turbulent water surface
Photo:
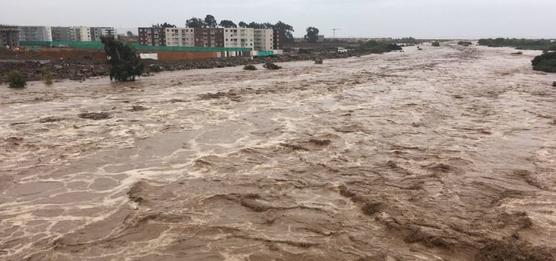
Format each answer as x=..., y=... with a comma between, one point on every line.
x=442, y=154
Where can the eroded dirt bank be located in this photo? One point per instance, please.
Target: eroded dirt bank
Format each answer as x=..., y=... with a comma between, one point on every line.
x=442, y=154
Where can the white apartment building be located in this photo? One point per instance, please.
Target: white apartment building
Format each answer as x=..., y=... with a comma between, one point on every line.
x=98, y=32
x=239, y=38
x=35, y=33
x=180, y=37
x=83, y=33
x=264, y=39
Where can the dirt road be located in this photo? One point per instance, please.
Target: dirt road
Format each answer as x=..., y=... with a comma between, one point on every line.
x=442, y=154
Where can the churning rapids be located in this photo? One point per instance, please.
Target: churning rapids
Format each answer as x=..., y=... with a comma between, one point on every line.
x=443, y=154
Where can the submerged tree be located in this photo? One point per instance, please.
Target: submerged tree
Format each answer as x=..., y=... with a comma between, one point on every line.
x=124, y=62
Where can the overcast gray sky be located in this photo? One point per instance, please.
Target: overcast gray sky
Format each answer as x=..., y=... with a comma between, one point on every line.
x=356, y=18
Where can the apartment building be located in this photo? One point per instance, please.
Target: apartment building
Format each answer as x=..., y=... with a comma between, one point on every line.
x=83, y=33
x=278, y=39
x=71, y=33
x=153, y=36
x=180, y=36
x=239, y=38
x=209, y=37
x=263, y=39
x=98, y=32
x=60, y=33
x=9, y=36
x=35, y=33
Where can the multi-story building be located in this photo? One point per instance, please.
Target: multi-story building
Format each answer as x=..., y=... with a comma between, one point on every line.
x=71, y=33
x=278, y=39
x=239, y=38
x=9, y=36
x=154, y=36
x=60, y=33
x=98, y=32
x=83, y=33
x=35, y=33
x=209, y=37
x=263, y=39
x=180, y=36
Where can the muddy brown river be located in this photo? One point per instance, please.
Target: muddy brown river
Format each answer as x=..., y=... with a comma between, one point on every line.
x=443, y=154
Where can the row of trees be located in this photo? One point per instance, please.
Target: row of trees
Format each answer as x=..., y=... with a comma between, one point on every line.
x=524, y=44
x=210, y=22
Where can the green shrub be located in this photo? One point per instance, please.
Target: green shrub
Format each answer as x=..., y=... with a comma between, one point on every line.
x=250, y=67
x=16, y=79
x=545, y=62
x=436, y=44
x=47, y=76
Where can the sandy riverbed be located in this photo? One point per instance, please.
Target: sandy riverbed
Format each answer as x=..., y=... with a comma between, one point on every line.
x=442, y=154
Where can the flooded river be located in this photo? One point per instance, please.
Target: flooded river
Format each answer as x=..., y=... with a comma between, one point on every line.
x=442, y=154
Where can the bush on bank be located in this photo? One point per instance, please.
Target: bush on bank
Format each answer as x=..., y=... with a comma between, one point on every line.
x=16, y=79
x=545, y=62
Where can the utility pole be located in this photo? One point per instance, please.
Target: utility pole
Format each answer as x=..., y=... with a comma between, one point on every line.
x=334, y=32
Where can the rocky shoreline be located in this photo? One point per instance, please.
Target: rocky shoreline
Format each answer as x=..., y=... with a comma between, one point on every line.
x=80, y=70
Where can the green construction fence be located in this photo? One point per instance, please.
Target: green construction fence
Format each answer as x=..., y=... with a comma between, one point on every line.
x=265, y=53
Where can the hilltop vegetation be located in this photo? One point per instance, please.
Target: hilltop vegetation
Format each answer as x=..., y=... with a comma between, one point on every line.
x=522, y=44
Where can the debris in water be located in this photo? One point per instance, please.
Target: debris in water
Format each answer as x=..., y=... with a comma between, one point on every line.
x=95, y=115
x=271, y=66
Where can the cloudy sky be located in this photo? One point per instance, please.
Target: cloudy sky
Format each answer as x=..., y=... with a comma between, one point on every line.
x=355, y=18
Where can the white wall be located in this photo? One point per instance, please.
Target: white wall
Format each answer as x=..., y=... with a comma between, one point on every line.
x=84, y=33
x=264, y=39
x=239, y=38
x=180, y=37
